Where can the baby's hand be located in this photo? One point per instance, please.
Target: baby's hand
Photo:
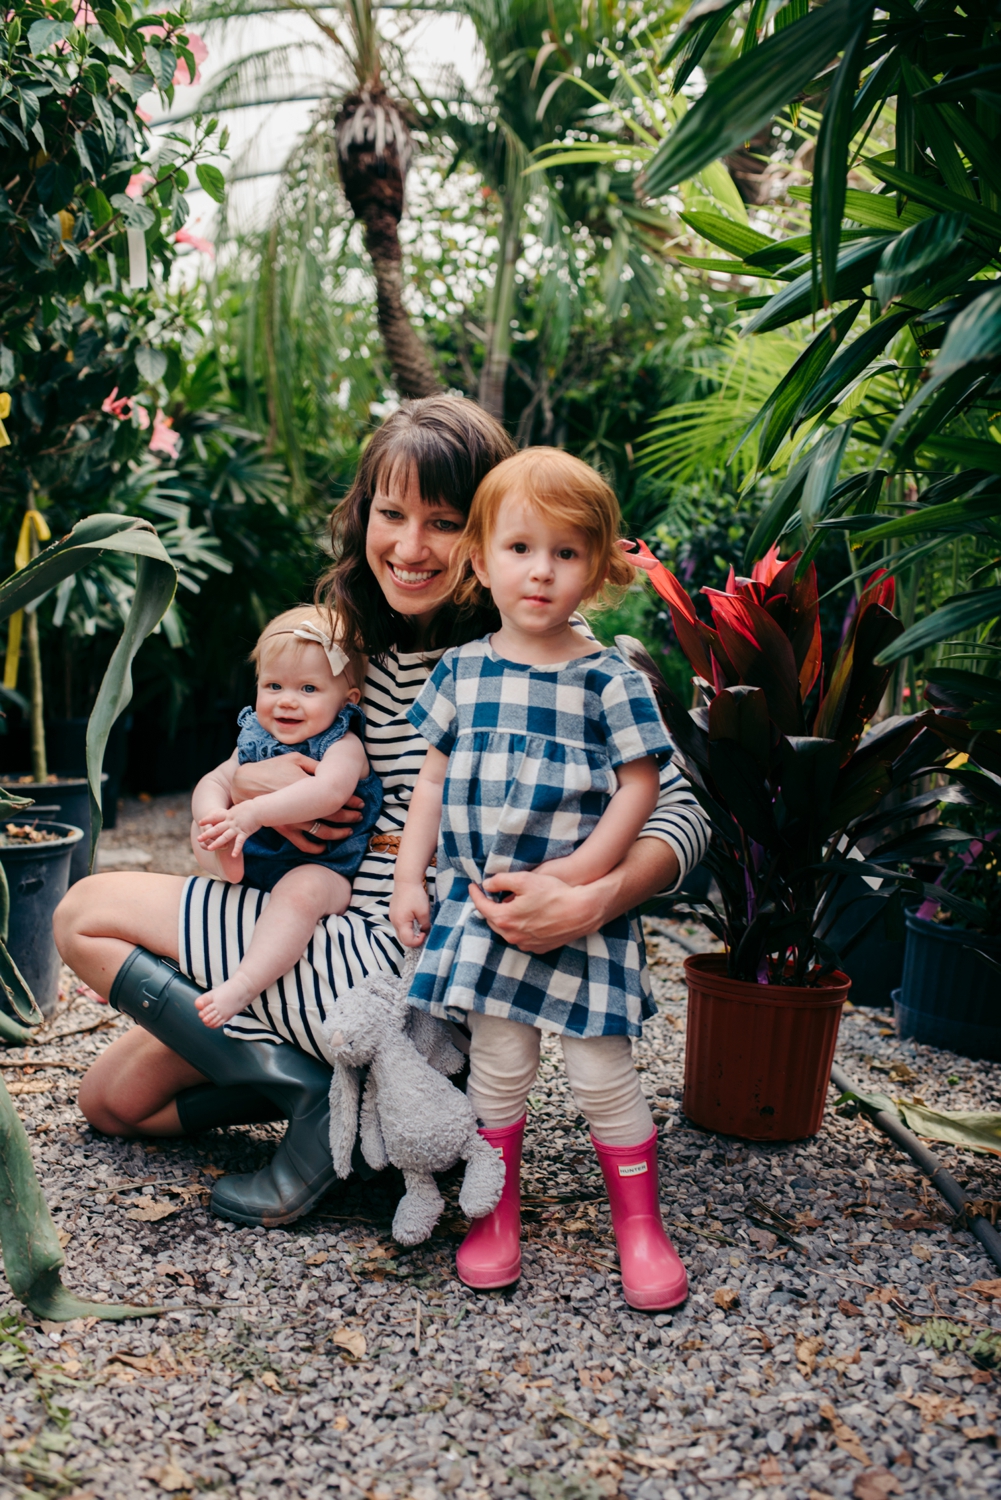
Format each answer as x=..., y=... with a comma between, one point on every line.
x=410, y=914
x=228, y=825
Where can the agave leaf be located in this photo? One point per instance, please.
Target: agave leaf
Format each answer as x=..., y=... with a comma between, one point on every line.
x=963, y=612
x=746, y=95
x=906, y=261
x=830, y=173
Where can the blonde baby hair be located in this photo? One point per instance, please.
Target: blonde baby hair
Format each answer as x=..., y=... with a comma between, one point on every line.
x=279, y=634
x=565, y=489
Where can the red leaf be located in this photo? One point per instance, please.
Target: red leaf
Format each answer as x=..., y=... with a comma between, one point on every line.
x=765, y=570
x=761, y=654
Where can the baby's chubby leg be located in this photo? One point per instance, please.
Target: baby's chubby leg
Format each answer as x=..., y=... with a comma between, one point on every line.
x=283, y=930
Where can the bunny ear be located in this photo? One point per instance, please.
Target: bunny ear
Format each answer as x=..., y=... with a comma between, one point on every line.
x=344, y=1091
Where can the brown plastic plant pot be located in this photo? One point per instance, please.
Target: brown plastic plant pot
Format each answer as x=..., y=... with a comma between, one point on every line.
x=758, y=1056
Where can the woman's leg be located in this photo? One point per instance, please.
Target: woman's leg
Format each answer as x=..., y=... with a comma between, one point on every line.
x=130, y=1089
x=606, y=1086
x=604, y=1083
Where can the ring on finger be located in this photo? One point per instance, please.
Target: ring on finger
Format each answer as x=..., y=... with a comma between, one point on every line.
x=314, y=828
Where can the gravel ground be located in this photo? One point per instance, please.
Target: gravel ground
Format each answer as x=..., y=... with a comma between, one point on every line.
x=150, y=833
x=321, y=1359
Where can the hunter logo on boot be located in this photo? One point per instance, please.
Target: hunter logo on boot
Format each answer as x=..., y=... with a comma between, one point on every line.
x=633, y=1169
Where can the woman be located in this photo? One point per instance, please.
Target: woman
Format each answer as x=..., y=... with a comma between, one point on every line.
x=392, y=535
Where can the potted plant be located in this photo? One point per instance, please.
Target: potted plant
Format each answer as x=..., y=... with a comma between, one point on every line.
x=948, y=991
x=791, y=783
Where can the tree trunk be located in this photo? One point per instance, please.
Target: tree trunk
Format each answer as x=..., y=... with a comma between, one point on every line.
x=493, y=376
x=373, y=152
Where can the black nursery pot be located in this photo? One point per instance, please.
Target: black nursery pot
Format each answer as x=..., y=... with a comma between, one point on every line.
x=66, y=798
x=948, y=995
x=38, y=878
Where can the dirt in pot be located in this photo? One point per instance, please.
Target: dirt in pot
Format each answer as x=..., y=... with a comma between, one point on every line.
x=15, y=834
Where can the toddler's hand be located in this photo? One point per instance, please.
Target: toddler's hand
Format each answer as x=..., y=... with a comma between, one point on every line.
x=410, y=914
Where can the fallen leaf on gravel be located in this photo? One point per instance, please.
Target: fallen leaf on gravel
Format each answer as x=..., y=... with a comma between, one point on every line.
x=844, y=1436
x=914, y=1219
x=770, y=1467
x=341, y=1424
x=64, y=1237
x=981, y=1377
x=150, y=1210
x=170, y=1476
x=763, y=1238
x=177, y=1274
x=876, y=1484
x=576, y=1226
x=351, y=1339
x=841, y=1363
x=523, y=1367
x=948, y=1369
x=848, y=1309
x=759, y=1333
x=319, y=1259
x=884, y=1294
x=989, y=1289
x=726, y=1297
x=899, y=1072
x=934, y=1408
x=211, y=1170
x=977, y=1434
x=807, y=1221
x=270, y=1379
x=806, y=1353
x=34, y=1086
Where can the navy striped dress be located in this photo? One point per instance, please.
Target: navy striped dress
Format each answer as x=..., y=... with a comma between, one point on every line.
x=217, y=919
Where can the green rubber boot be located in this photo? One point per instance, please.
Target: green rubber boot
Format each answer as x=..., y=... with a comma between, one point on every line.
x=162, y=1001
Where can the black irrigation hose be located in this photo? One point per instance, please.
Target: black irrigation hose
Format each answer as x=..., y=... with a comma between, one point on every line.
x=894, y=1127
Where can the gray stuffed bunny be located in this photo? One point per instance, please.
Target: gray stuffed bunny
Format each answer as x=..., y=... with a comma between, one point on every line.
x=411, y=1115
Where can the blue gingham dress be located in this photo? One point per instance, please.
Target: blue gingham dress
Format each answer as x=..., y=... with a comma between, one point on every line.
x=532, y=755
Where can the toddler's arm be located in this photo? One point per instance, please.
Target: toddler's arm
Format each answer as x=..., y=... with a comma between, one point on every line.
x=337, y=775
x=410, y=902
x=616, y=830
x=212, y=796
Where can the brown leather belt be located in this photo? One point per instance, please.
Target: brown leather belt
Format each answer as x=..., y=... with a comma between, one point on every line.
x=388, y=843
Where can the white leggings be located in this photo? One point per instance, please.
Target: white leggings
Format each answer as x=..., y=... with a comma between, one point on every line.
x=504, y=1059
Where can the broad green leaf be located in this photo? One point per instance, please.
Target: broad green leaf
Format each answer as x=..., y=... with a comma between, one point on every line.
x=151, y=363
x=694, y=48
x=977, y=1130
x=831, y=161
x=737, y=239
x=856, y=264
x=714, y=263
x=925, y=190
x=873, y=210
x=101, y=210
x=963, y=612
x=966, y=451
x=822, y=475
x=212, y=181
x=973, y=337
x=937, y=134
x=907, y=261
x=42, y=35
x=136, y=212
x=111, y=26
x=849, y=365
x=778, y=511
x=777, y=412
x=745, y=96
x=106, y=119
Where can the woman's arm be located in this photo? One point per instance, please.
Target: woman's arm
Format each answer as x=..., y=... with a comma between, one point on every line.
x=410, y=904
x=616, y=830
x=336, y=777
x=545, y=913
x=258, y=778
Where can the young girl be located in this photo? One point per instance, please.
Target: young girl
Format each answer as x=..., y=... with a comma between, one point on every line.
x=544, y=753
x=307, y=702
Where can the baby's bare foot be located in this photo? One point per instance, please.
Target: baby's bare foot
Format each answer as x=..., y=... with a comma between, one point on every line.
x=220, y=1005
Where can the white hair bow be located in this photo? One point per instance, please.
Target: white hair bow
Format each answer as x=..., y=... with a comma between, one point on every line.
x=337, y=658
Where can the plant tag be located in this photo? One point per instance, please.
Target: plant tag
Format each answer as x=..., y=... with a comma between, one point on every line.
x=138, y=264
x=633, y=1169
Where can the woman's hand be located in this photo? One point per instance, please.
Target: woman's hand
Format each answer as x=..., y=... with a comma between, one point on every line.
x=543, y=913
x=410, y=912
x=257, y=778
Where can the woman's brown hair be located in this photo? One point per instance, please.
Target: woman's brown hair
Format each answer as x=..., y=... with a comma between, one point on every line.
x=448, y=445
x=563, y=488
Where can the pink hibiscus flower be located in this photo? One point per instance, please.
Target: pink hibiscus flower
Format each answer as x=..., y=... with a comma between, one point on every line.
x=185, y=237
x=164, y=439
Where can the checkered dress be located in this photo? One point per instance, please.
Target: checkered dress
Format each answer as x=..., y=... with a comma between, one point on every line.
x=532, y=752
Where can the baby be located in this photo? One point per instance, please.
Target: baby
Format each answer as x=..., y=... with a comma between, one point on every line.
x=305, y=702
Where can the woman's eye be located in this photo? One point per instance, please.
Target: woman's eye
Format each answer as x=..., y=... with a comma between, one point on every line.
x=390, y=515
x=444, y=525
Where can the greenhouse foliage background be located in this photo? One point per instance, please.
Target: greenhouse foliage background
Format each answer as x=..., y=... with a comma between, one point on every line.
x=742, y=258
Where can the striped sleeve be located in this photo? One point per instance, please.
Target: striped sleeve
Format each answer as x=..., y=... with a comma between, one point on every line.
x=679, y=821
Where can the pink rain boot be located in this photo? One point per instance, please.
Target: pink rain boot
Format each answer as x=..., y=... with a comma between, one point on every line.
x=653, y=1277
x=490, y=1255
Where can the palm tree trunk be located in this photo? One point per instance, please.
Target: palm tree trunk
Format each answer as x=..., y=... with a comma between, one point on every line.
x=413, y=373
x=493, y=376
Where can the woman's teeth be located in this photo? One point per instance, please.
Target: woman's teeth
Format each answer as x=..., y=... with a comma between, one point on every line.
x=406, y=576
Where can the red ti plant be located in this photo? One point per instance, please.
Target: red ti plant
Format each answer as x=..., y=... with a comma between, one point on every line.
x=792, y=781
